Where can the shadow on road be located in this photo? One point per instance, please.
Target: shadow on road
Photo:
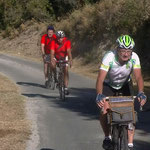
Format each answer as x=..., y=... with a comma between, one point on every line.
x=82, y=101
x=30, y=84
x=139, y=145
x=46, y=149
x=38, y=95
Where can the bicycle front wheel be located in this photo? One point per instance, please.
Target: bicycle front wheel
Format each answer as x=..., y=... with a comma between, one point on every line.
x=61, y=87
x=115, y=137
x=62, y=93
x=124, y=138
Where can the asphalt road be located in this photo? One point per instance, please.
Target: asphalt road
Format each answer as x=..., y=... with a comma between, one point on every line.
x=69, y=125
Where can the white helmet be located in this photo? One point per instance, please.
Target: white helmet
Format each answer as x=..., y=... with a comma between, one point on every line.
x=60, y=34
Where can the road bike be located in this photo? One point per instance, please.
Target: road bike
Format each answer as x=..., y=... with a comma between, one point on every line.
x=121, y=117
x=61, y=65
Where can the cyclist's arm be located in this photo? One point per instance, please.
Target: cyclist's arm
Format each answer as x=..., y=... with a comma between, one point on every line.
x=100, y=79
x=52, y=54
x=137, y=72
x=42, y=49
x=139, y=79
x=69, y=54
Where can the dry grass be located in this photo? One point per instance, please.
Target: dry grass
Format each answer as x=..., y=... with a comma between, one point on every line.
x=14, y=128
x=89, y=70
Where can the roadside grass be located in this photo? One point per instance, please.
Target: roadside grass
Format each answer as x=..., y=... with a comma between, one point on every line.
x=14, y=127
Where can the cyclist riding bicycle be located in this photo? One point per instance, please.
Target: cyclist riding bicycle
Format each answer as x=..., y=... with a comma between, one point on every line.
x=114, y=77
x=61, y=49
x=46, y=41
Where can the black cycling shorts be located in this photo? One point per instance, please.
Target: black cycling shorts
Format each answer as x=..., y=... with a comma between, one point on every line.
x=124, y=91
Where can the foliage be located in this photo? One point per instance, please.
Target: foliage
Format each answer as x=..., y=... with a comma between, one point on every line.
x=1, y=15
x=92, y=25
x=15, y=12
x=94, y=28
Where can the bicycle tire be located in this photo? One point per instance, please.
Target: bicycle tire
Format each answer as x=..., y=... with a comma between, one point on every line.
x=62, y=94
x=115, y=137
x=61, y=84
x=124, y=138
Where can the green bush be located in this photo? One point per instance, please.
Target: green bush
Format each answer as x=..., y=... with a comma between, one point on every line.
x=103, y=22
x=39, y=10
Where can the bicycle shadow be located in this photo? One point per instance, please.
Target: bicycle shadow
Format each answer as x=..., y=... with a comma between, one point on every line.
x=46, y=149
x=37, y=96
x=81, y=101
x=30, y=84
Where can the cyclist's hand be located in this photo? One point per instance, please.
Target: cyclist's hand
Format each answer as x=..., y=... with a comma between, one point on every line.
x=100, y=100
x=142, y=98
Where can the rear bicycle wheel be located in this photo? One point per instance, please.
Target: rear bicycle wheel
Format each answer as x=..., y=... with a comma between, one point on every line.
x=124, y=138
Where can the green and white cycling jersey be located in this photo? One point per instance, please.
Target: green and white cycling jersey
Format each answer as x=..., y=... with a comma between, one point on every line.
x=118, y=75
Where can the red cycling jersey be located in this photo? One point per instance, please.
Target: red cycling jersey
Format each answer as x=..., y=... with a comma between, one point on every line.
x=47, y=42
x=61, y=49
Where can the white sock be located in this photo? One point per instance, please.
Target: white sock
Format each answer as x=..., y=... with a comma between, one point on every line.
x=130, y=144
x=108, y=137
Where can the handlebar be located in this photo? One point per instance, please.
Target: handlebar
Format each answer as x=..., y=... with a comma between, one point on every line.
x=61, y=61
x=123, y=99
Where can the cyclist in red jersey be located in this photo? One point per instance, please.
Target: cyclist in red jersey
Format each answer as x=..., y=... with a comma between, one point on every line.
x=46, y=41
x=61, y=49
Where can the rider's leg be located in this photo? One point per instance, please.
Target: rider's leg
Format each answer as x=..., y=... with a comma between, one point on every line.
x=66, y=79
x=46, y=59
x=53, y=69
x=45, y=71
x=103, y=120
x=107, y=91
x=66, y=76
x=107, y=144
x=130, y=136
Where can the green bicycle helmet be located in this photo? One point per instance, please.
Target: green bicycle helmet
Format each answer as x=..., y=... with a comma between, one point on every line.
x=125, y=41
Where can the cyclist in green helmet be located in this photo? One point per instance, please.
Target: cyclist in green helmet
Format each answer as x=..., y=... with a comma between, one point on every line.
x=114, y=77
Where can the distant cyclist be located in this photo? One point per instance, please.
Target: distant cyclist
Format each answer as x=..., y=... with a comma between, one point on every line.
x=46, y=41
x=61, y=49
x=114, y=77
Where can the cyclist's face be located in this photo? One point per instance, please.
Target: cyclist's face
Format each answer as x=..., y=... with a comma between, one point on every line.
x=124, y=54
x=60, y=40
x=50, y=33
